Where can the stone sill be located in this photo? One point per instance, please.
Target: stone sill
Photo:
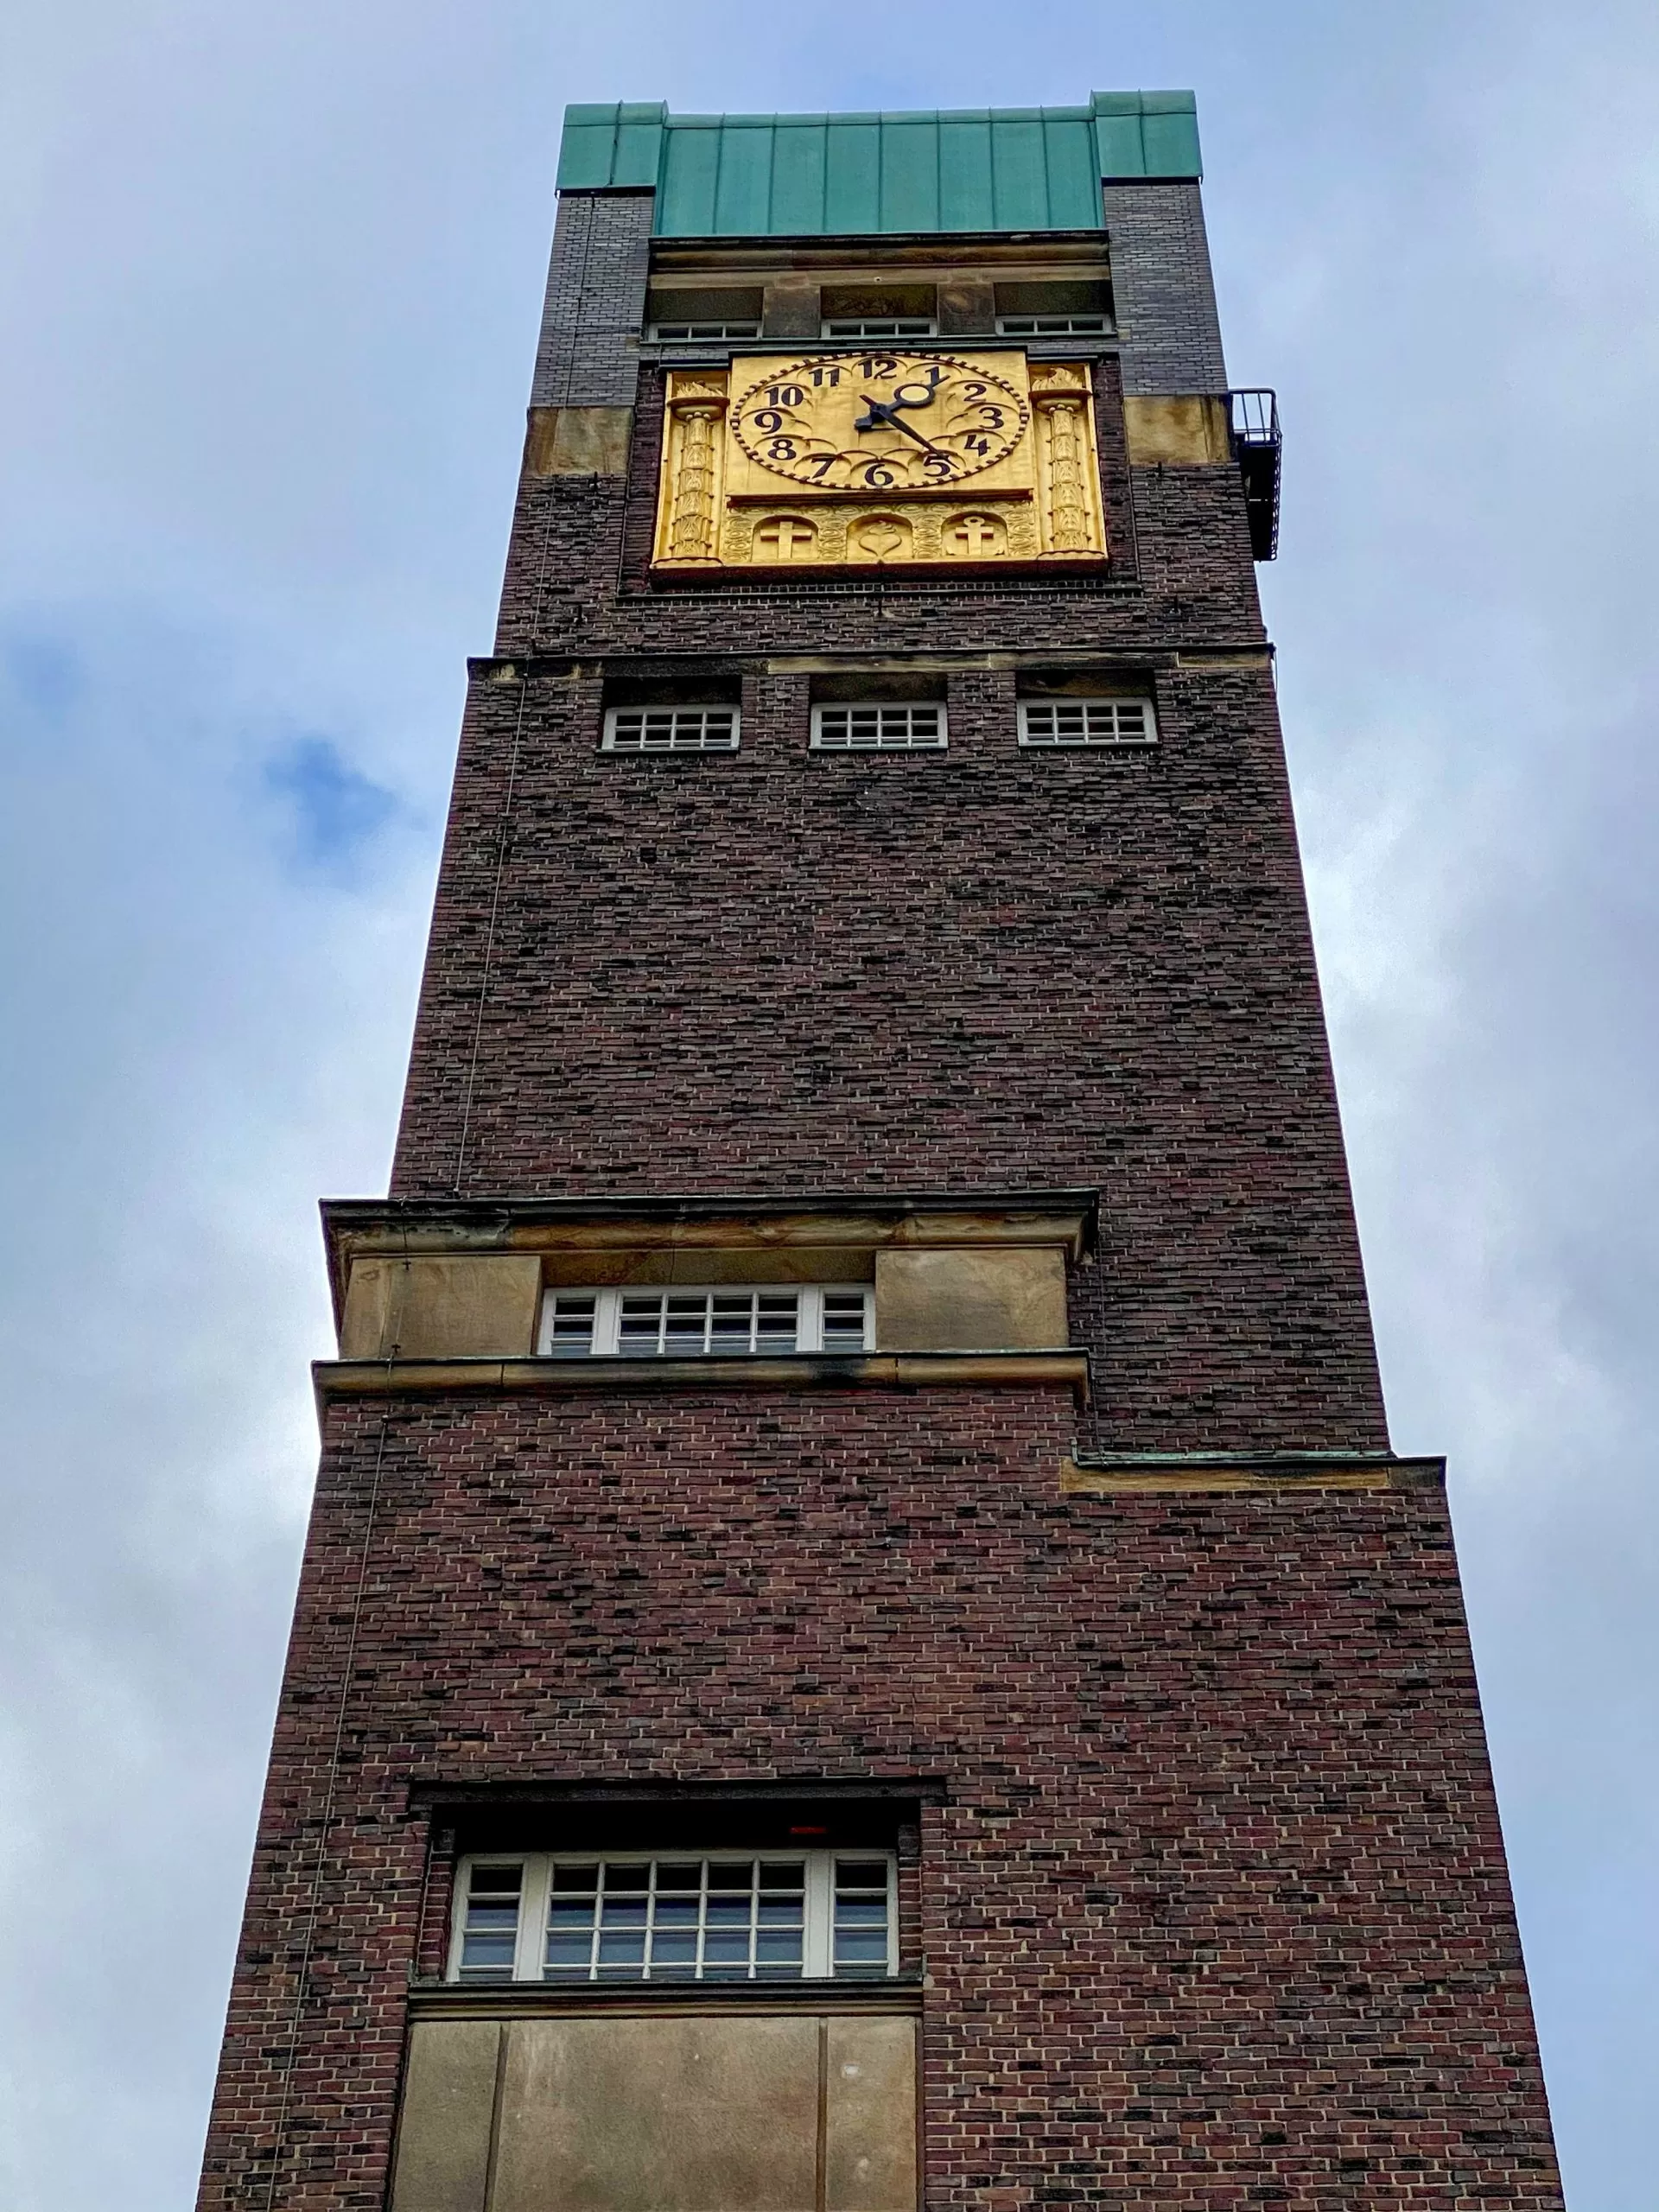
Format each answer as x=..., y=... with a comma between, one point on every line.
x=1131, y=1474
x=912, y=1370
x=518, y=2000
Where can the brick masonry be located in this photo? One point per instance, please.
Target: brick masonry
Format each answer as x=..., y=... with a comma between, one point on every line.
x=590, y=347
x=982, y=969
x=1210, y=1894
x=1165, y=293
x=1213, y=1907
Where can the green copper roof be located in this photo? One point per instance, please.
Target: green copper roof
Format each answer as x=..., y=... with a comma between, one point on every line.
x=1014, y=168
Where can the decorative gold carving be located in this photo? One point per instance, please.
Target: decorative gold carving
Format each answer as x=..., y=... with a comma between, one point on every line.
x=974, y=537
x=688, y=528
x=1038, y=500
x=1050, y=378
x=1068, y=476
x=880, y=537
x=785, y=537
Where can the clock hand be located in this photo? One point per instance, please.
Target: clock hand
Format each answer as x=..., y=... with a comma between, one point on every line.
x=927, y=444
x=882, y=416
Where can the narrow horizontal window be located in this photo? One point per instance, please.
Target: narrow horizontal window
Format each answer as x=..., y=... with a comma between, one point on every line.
x=1086, y=721
x=690, y=1916
x=868, y=727
x=671, y=729
x=664, y=333
x=1051, y=325
x=731, y=1320
x=881, y=325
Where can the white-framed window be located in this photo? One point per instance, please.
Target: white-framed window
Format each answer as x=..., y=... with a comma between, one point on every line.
x=1052, y=325
x=881, y=325
x=671, y=729
x=714, y=1915
x=664, y=333
x=871, y=726
x=1087, y=721
x=729, y=1318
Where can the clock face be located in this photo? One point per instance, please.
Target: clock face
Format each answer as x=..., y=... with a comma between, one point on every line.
x=877, y=423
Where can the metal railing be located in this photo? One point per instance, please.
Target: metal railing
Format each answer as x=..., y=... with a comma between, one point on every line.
x=1258, y=446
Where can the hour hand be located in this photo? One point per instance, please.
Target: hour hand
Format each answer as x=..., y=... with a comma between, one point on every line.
x=882, y=416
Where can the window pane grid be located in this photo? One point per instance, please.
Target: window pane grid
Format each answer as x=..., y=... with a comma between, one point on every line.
x=879, y=728
x=662, y=331
x=846, y=1320
x=677, y=1920
x=1086, y=721
x=490, y=1928
x=704, y=1917
x=570, y=1325
x=688, y=1324
x=880, y=327
x=704, y=1322
x=863, y=1920
x=671, y=729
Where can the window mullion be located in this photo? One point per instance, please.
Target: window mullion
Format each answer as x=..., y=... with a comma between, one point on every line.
x=815, y=1962
x=532, y=1918
x=463, y=1881
x=607, y=1312
x=809, y=1319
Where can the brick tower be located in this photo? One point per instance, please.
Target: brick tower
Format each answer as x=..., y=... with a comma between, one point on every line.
x=862, y=1644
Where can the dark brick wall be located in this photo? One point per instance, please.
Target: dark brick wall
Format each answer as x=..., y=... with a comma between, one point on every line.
x=596, y=304
x=1163, y=289
x=776, y=971
x=1213, y=1909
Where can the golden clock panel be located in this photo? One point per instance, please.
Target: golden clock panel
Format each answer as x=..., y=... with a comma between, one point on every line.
x=883, y=457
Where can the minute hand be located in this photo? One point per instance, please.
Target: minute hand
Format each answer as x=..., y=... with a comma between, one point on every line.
x=883, y=415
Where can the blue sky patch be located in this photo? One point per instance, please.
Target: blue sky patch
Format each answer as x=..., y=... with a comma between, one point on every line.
x=334, y=810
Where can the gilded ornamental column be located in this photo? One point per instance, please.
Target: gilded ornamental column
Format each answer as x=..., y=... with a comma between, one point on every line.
x=688, y=531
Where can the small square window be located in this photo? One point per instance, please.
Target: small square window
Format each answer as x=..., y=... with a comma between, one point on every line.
x=881, y=325
x=702, y=314
x=1052, y=325
x=1052, y=723
x=874, y=726
x=1055, y=308
x=700, y=333
x=671, y=729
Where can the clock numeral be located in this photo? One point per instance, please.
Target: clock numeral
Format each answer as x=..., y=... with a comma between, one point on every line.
x=781, y=449
x=822, y=375
x=975, y=390
x=880, y=364
x=939, y=465
x=784, y=395
x=821, y=464
x=878, y=478
x=977, y=443
x=769, y=418
x=992, y=416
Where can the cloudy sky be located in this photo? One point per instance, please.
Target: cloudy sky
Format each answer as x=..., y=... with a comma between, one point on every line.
x=269, y=281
